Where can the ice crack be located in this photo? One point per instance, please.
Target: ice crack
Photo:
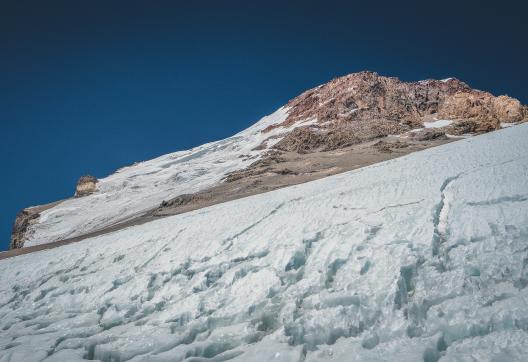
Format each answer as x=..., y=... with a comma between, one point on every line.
x=500, y=200
x=440, y=213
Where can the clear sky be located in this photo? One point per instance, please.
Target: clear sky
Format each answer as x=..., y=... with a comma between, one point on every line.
x=89, y=86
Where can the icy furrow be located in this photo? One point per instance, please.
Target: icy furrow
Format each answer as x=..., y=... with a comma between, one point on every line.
x=421, y=258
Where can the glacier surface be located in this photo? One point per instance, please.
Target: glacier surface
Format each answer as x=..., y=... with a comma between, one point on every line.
x=421, y=258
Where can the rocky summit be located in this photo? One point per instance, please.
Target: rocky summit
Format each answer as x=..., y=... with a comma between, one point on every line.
x=363, y=106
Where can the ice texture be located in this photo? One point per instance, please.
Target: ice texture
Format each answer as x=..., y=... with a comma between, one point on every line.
x=420, y=258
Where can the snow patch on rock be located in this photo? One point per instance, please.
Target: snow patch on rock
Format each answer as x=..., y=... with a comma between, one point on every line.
x=438, y=123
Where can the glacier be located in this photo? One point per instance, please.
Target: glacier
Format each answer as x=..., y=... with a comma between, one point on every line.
x=420, y=258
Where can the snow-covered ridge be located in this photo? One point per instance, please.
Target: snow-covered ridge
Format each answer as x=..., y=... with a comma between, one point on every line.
x=421, y=258
x=134, y=189
x=358, y=107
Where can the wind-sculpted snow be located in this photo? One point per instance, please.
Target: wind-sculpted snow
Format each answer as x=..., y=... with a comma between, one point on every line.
x=421, y=258
x=138, y=188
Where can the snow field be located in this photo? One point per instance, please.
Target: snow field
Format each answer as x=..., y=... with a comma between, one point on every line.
x=421, y=258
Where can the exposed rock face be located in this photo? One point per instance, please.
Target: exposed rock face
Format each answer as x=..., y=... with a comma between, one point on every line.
x=466, y=126
x=85, y=186
x=22, y=222
x=481, y=106
x=363, y=106
x=389, y=147
x=180, y=200
x=310, y=139
x=29, y=216
x=258, y=167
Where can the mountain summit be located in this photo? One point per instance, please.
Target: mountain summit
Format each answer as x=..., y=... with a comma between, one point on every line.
x=364, y=106
x=349, y=122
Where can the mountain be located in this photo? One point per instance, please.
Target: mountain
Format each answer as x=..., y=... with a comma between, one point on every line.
x=419, y=258
x=349, y=122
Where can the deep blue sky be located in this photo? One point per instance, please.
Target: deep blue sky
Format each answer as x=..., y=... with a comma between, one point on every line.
x=90, y=86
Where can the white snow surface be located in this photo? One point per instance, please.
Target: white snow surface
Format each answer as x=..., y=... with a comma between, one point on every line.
x=135, y=189
x=438, y=123
x=420, y=258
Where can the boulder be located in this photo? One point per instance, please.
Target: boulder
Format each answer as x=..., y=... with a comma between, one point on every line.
x=85, y=186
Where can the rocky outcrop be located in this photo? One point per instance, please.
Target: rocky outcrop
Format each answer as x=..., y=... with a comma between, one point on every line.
x=23, y=220
x=389, y=147
x=481, y=106
x=311, y=139
x=473, y=126
x=85, y=186
x=180, y=200
x=364, y=106
x=259, y=167
x=22, y=227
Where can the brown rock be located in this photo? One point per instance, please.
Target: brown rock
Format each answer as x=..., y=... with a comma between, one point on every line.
x=259, y=167
x=310, y=139
x=508, y=109
x=389, y=147
x=301, y=140
x=23, y=220
x=180, y=200
x=364, y=106
x=473, y=126
x=85, y=186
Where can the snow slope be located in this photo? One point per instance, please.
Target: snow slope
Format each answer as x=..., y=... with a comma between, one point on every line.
x=133, y=190
x=421, y=258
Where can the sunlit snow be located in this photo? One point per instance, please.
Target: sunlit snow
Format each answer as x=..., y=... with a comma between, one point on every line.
x=135, y=189
x=421, y=258
x=438, y=123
